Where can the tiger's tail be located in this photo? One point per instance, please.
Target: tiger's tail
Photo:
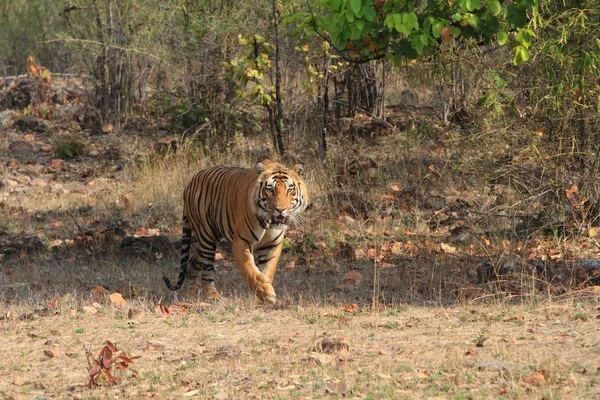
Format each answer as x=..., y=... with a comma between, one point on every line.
x=186, y=241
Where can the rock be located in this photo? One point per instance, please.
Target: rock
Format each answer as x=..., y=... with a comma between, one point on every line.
x=52, y=353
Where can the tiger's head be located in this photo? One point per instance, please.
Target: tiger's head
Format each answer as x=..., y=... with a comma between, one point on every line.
x=281, y=194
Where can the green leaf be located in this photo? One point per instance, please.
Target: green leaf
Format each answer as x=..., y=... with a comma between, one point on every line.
x=389, y=21
x=360, y=24
x=349, y=15
x=370, y=13
x=356, y=33
x=474, y=21
x=524, y=37
x=495, y=7
x=411, y=20
x=403, y=29
x=416, y=43
x=521, y=55
x=473, y=4
x=427, y=24
x=502, y=37
x=356, y=5
x=437, y=26
x=515, y=17
x=335, y=4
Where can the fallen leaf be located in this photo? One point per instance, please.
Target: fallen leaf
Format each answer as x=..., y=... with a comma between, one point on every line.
x=52, y=304
x=535, y=378
x=350, y=307
x=55, y=243
x=155, y=346
x=448, y=249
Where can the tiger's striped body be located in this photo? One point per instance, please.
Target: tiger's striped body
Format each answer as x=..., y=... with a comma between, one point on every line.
x=250, y=208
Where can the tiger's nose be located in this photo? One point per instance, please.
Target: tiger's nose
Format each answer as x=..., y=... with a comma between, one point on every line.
x=280, y=209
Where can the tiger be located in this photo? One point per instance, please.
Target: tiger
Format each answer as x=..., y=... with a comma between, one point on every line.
x=249, y=207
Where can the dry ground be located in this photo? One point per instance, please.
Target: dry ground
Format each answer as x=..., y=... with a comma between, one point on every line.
x=460, y=290
x=240, y=349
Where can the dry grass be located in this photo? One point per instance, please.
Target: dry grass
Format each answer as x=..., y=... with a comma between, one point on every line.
x=237, y=348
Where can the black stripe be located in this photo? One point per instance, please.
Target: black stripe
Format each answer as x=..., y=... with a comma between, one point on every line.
x=264, y=261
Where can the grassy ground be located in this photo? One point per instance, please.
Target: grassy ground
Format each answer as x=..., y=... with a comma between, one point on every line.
x=239, y=349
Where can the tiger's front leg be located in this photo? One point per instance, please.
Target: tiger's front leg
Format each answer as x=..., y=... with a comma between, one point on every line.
x=258, y=282
x=267, y=254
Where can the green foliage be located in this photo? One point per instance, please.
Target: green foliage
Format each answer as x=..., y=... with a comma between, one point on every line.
x=70, y=147
x=252, y=65
x=403, y=29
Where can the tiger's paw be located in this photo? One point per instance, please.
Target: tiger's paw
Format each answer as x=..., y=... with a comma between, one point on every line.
x=210, y=292
x=264, y=290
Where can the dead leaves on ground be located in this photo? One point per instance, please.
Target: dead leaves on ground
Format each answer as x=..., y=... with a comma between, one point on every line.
x=102, y=368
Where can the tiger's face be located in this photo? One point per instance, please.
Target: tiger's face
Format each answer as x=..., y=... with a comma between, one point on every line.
x=281, y=194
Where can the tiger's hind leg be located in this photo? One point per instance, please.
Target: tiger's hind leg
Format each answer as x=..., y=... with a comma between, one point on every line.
x=203, y=263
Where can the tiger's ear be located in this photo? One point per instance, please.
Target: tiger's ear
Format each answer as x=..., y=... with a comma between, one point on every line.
x=299, y=169
x=262, y=165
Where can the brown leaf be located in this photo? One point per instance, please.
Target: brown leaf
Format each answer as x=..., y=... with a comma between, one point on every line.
x=164, y=309
x=446, y=33
x=350, y=307
x=448, y=249
x=141, y=231
x=55, y=243
x=155, y=346
x=52, y=304
x=535, y=378
x=372, y=253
